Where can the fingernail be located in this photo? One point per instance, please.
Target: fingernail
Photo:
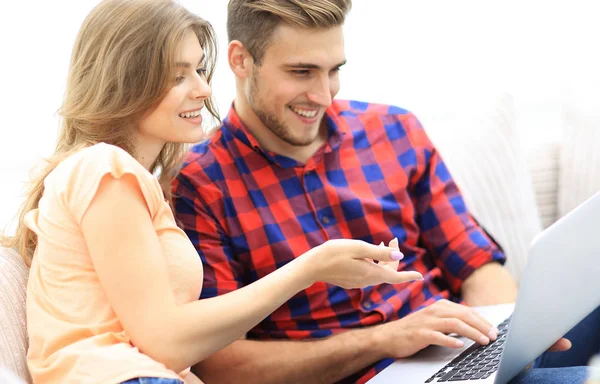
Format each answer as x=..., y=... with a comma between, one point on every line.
x=493, y=333
x=483, y=340
x=397, y=255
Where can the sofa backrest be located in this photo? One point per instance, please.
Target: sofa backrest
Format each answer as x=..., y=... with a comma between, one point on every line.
x=480, y=145
x=13, y=331
x=515, y=183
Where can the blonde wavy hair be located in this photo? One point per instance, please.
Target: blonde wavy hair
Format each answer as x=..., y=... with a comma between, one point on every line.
x=121, y=67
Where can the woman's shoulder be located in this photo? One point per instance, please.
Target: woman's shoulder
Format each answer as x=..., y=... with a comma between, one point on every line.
x=97, y=160
x=77, y=178
x=99, y=155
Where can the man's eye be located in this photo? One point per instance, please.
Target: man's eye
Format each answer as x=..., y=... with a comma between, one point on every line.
x=300, y=72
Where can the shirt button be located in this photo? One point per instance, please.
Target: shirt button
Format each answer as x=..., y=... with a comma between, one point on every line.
x=367, y=304
x=325, y=219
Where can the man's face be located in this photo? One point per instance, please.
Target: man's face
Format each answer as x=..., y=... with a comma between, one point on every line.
x=296, y=81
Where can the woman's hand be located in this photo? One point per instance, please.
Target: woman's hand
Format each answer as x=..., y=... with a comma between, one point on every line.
x=356, y=264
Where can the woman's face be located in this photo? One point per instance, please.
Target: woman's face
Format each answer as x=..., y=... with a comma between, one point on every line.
x=177, y=117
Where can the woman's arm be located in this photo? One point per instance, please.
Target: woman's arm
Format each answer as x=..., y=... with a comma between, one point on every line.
x=126, y=254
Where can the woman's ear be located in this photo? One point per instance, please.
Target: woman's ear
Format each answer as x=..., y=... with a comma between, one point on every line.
x=239, y=59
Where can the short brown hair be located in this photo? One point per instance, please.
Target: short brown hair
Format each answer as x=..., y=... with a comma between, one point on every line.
x=252, y=22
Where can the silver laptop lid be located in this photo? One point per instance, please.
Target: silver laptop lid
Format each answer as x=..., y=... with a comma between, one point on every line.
x=559, y=287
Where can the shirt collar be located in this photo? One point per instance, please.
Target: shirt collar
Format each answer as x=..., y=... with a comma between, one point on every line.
x=336, y=129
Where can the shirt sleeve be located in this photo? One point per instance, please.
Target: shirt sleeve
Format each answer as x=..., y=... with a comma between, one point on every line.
x=458, y=244
x=86, y=170
x=202, y=217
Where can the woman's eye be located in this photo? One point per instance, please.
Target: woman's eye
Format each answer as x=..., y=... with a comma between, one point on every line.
x=179, y=79
x=201, y=71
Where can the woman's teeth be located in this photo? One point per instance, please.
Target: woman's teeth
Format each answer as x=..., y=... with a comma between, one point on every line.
x=190, y=114
x=305, y=113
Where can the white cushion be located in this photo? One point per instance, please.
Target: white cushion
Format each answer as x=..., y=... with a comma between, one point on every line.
x=477, y=140
x=539, y=126
x=543, y=163
x=13, y=331
x=580, y=156
x=7, y=377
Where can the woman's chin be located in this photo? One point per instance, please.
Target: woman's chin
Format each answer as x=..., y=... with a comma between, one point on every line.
x=190, y=137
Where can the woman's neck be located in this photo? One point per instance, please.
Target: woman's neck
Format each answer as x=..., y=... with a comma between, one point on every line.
x=147, y=150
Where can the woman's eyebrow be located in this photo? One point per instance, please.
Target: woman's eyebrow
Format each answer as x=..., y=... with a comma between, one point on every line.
x=185, y=64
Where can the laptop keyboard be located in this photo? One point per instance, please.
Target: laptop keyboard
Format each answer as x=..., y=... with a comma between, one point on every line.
x=477, y=362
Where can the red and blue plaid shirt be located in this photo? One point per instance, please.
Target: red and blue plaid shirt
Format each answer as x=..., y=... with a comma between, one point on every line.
x=249, y=211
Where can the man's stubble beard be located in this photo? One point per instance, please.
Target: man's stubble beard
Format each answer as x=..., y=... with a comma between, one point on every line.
x=270, y=120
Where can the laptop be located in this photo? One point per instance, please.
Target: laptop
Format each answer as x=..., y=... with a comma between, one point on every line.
x=559, y=287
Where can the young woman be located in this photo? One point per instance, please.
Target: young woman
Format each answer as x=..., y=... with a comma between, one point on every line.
x=113, y=286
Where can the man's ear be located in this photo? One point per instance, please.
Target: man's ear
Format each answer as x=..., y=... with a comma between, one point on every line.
x=239, y=59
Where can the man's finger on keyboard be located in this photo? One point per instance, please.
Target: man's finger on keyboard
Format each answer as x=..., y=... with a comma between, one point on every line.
x=448, y=309
x=455, y=325
x=438, y=338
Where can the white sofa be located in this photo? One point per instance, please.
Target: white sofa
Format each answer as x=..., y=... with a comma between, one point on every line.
x=514, y=193
x=515, y=189
x=13, y=335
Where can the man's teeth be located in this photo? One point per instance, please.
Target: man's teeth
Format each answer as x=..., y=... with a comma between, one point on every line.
x=305, y=113
x=190, y=114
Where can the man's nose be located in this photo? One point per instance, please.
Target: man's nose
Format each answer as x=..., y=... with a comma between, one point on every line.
x=321, y=92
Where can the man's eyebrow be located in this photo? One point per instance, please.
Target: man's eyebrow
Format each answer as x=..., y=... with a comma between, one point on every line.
x=185, y=64
x=310, y=65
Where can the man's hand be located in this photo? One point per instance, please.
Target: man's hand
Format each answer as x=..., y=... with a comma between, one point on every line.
x=431, y=326
x=560, y=346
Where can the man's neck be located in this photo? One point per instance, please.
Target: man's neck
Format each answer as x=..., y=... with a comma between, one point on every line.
x=270, y=142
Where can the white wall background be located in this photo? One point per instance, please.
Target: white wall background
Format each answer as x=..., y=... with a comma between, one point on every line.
x=416, y=54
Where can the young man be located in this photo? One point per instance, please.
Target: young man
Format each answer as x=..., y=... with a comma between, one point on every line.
x=290, y=168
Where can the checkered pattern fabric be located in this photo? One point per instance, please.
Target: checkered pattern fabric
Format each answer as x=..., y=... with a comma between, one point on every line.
x=249, y=211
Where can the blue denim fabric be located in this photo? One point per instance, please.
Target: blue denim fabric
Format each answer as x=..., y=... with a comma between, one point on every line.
x=569, y=366
x=569, y=375
x=152, y=380
x=585, y=338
